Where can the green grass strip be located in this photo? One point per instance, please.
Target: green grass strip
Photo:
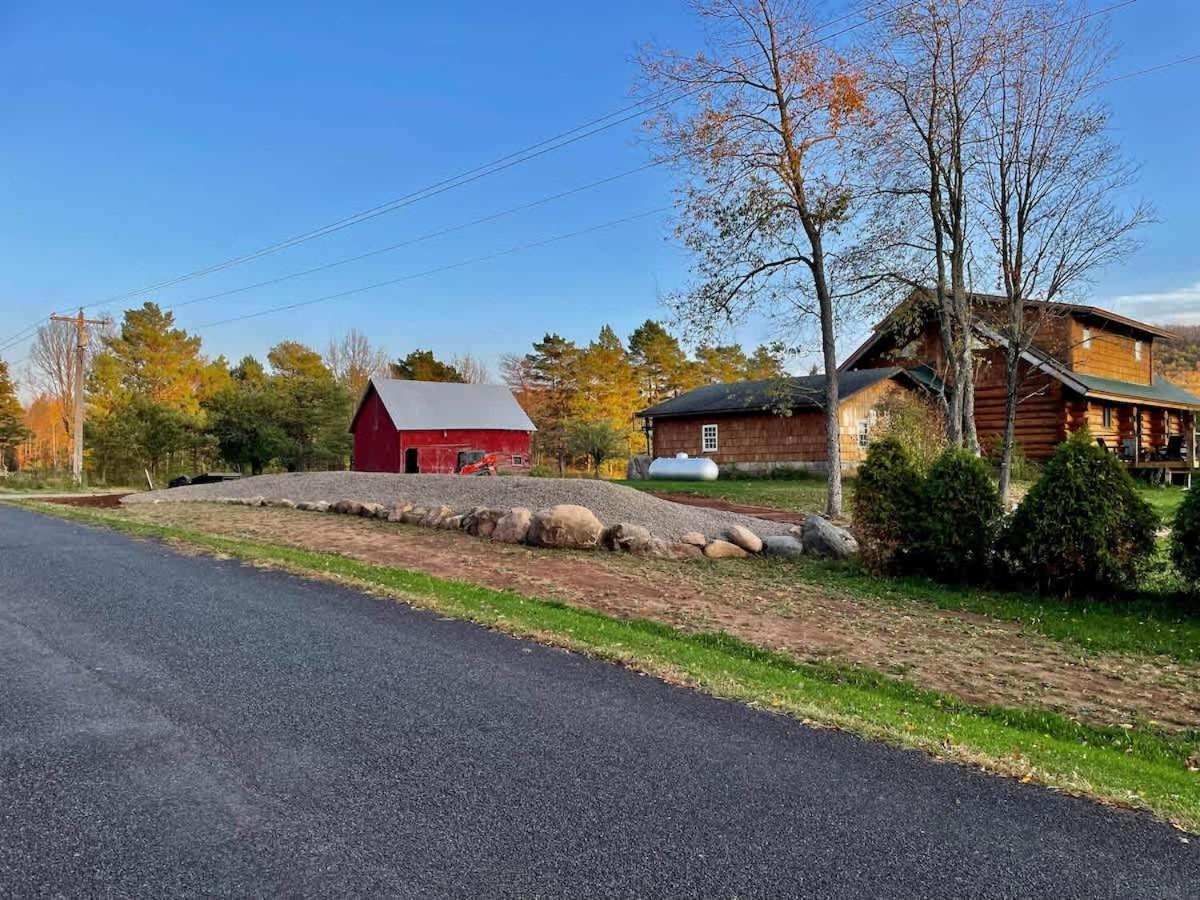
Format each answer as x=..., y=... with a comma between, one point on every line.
x=1142, y=767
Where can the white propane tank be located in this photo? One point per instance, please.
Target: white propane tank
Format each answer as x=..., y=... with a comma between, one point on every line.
x=684, y=468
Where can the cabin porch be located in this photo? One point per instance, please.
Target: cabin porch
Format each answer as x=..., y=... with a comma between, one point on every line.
x=1143, y=437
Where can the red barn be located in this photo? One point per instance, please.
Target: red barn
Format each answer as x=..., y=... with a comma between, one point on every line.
x=423, y=426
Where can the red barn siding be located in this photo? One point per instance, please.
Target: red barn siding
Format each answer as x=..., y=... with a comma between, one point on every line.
x=437, y=451
x=376, y=448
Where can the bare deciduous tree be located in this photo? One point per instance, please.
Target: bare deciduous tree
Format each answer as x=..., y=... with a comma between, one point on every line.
x=471, y=369
x=760, y=138
x=933, y=64
x=1052, y=176
x=354, y=361
x=53, y=362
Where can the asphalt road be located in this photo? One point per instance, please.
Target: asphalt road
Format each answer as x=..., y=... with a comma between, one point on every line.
x=172, y=725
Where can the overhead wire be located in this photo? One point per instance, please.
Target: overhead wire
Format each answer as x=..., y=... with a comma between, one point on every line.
x=532, y=151
x=518, y=248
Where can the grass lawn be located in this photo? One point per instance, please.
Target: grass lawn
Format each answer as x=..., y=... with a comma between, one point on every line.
x=1141, y=767
x=807, y=494
x=1165, y=500
x=1155, y=622
x=802, y=494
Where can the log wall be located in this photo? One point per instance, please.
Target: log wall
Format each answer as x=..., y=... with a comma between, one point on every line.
x=1041, y=411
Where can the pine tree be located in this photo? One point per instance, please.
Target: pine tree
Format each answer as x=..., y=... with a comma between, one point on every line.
x=12, y=418
x=659, y=362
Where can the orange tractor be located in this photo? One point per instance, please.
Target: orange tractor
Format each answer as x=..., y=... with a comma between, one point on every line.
x=476, y=462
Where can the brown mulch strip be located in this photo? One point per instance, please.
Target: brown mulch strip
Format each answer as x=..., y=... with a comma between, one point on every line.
x=103, y=501
x=759, y=512
x=979, y=659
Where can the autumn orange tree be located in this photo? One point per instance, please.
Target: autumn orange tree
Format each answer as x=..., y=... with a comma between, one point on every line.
x=760, y=137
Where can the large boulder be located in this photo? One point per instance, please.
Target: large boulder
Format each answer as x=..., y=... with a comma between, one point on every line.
x=782, y=545
x=372, y=511
x=281, y=503
x=724, y=550
x=567, y=527
x=396, y=513
x=513, y=526
x=435, y=515
x=347, y=508
x=684, y=550
x=822, y=538
x=313, y=506
x=638, y=467
x=744, y=538
x=481, y=521
x=695, y=538
x=413, y=515
x=627, y=538
x=451, y=523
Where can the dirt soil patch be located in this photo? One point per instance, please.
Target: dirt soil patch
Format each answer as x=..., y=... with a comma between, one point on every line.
x=744, y=509
x=979, y=659
x=103, y=501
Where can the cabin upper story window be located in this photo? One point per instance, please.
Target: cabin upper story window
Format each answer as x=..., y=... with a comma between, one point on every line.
x=1137, y=350
x=708, y=439
x=1087, y=339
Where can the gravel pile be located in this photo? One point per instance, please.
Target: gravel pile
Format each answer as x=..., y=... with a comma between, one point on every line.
x=612, y=503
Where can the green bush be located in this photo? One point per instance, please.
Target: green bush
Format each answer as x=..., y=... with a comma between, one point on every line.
x=1185, y=538
x=954, y=530
x=885, y=498
x=1083, y=527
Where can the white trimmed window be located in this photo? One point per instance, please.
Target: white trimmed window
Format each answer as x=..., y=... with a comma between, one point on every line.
x=708, y=439
x=518, y=460
x=1137, y=350
x=864, y=433
x=1087, y=339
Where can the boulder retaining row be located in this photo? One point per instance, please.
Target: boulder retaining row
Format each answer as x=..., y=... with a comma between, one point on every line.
x=567, y=527
x=744, y=538
x=822, y=538
x=724, y=550
x=513, y=526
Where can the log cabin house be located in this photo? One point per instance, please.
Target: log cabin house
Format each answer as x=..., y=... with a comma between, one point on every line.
x=758, y=426
x=1085, y=366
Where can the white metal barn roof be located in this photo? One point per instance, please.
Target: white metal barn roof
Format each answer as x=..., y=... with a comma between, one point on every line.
x=435, y=405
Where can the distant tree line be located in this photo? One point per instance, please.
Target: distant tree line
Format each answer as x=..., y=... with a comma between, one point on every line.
x=580, y=396
x=156, y=404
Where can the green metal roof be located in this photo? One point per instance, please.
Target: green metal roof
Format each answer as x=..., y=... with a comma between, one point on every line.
x=1162, y=391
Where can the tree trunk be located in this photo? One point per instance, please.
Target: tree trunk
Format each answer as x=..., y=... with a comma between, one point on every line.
x=833, y=432
x=1012, y=358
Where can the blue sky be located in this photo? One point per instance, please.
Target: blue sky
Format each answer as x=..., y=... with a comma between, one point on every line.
x=142, y=141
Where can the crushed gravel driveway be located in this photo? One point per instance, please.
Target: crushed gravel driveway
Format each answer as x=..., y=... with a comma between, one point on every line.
x=612, y=503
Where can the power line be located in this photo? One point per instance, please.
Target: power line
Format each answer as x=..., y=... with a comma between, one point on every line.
x=533, y=151
x=416, y=240
x=1147, y=71
x=457, y=265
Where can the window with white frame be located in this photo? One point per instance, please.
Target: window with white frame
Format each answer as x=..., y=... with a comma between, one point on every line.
x=1087, y=339
x=708, y=439
x=864, y=433
x=1137, y=350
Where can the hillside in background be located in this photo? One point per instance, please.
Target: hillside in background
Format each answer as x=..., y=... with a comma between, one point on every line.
x=1179, y=360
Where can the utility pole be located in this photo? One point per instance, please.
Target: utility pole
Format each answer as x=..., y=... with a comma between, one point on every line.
x=81, y=344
